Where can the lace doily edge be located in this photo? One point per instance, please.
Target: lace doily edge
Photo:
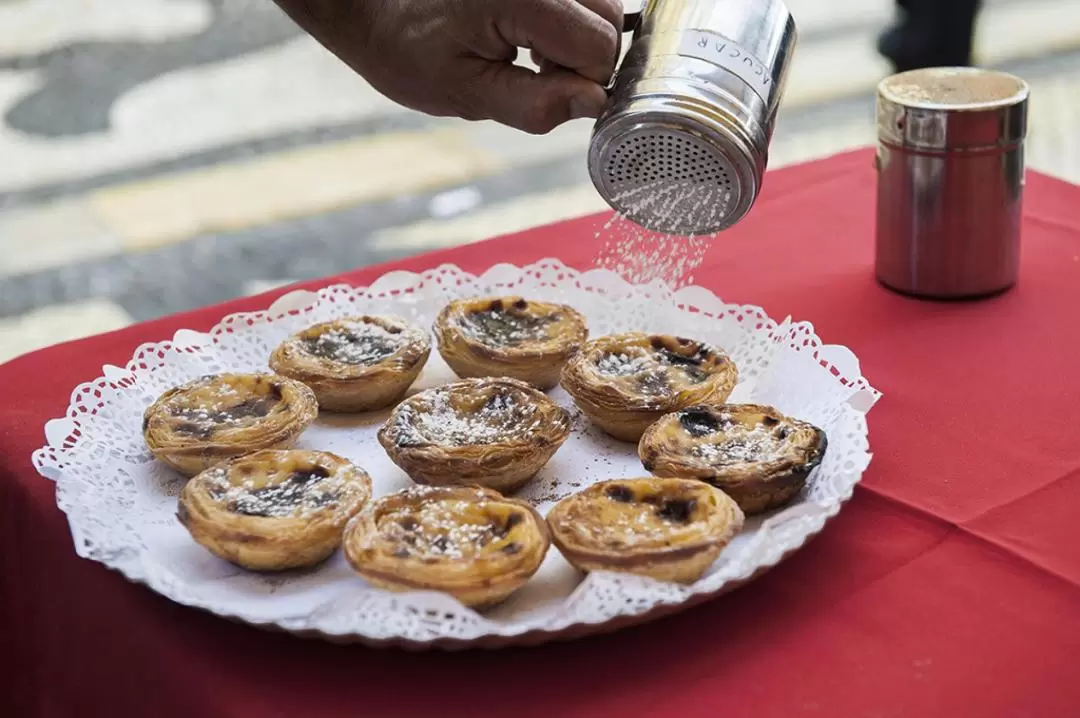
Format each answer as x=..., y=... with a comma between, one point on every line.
x=62, y=435
x=496, y=639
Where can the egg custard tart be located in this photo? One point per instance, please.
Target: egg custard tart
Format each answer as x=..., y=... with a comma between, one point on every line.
x=195, y=425
x=755, y=454
x=509, y=336
x=275, y=509
x=625, y=382
x=489, y=432
x=360, y=363
x=667, y=529
x=469, y=542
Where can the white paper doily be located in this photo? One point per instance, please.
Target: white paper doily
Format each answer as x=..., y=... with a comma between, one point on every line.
x=121, y=504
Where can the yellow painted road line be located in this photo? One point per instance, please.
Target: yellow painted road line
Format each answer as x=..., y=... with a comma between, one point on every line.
x=56, y=233
x=492, y=220
x=290, y=184
x=58, y=323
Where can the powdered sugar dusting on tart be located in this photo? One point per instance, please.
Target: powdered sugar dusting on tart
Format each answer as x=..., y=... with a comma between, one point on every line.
x=630, y=521
x=503, y=328
x=621, y=364
x=211, y=404
x=654, y=371
x=739, y=444
x=359, y=343
x=449, y=529
x=297, y=495
x=502, y=417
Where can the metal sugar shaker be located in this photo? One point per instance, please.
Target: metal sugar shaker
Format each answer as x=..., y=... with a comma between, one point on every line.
x=683, y=145
x=950, y=181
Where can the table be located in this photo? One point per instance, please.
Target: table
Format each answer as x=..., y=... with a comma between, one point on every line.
x=949, y=585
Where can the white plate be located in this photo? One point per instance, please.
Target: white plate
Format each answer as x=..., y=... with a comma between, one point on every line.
x=121, y=503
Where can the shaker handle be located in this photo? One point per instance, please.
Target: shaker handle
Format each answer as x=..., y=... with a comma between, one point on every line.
x=629, y=24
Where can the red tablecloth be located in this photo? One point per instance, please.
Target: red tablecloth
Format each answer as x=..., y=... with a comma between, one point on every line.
x=949, y=586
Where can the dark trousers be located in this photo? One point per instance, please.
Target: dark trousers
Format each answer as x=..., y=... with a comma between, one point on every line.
x=931, y=33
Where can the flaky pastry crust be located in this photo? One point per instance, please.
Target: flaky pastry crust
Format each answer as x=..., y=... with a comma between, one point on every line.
x=493, y=432
x=273, y=510
x=360, y=363
x=667, y=529
x=469, y=542
x=625, y=382
x=195, y=425
x=509, y=337
x=755, y=454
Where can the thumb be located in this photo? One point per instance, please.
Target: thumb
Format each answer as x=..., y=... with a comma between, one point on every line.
x=534, y=102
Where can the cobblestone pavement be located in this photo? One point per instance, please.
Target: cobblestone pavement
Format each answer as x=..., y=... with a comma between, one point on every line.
x=160, y=155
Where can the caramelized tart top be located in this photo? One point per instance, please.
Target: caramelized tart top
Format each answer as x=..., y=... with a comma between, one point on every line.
x=634, y=370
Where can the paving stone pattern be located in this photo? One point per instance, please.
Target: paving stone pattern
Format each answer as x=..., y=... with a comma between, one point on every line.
x=165, y=154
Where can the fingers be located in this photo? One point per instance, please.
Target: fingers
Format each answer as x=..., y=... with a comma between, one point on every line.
x=580, y=35
x=610, y=10
x=532, y=102
x=613, y=11
x=542, y=63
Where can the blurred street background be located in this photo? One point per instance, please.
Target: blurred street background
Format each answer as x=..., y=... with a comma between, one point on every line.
x=159, y=155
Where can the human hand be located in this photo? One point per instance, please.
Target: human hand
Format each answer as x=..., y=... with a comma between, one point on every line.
x=455, y=57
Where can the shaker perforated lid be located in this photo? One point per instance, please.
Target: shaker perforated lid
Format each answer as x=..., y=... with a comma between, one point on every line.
x=671, y=173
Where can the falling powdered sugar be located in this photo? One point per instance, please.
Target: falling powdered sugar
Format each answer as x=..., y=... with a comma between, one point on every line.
x=641, y=256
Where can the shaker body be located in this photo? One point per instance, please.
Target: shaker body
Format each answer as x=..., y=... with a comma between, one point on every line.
x=739, y=48
x=693, y=106
x=950, y=164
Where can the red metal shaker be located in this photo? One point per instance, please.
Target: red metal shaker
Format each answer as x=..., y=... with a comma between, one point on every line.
x=950, y=181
